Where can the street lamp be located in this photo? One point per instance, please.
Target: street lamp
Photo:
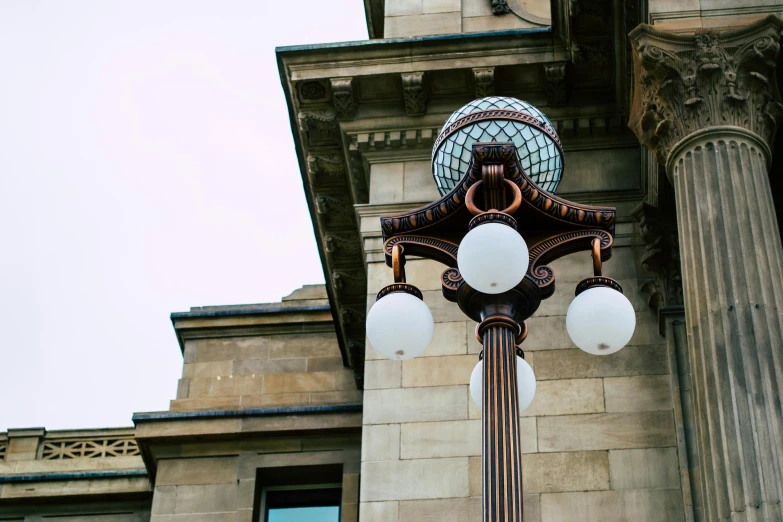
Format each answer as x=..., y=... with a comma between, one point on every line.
x=499, y=153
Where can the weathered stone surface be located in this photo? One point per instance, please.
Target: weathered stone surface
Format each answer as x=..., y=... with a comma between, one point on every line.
x=350, y=396
x=452, y=509
x=382, y=374
x=403, y=7
x=261, y=366
x=307, y=382
x=640, y=393
x=208, y=369
x=424, y=274
x=567, y=397
x=442, y=311
x=210, y=470
x=606, y=431
x=421, y=25
x=527, y=426
x=447, y=339
x=480, y=24
x=205, y=403
x=440, y=439
x=437, y=371
x=454, y=438
x=215, y=498
x=379, y=512
x=381, y=442
x=208, y=517
x=325, y=364
x=274, y=399
x=415, y=405
x=418, y=184
x=613, y=506
x=572, y=471
x=302, y=345
x=225, y=386
x=386, y=181
x=414, y=479
x=576, y=364
x=655, y=468
x=164, y=500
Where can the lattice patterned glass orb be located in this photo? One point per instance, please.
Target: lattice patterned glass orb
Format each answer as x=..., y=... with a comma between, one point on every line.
x=503, y=120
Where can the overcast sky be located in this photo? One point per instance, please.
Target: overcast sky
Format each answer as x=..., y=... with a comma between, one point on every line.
x=135, y=181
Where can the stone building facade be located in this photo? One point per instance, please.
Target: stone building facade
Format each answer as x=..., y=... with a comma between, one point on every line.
x=672, y=122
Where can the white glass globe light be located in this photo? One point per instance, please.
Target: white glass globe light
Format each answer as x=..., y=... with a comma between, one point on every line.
x=526, y=383
x=600, y=320
x=493, y=258
x=400, y=326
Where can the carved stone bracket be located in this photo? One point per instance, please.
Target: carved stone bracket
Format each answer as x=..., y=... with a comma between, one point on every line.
x=484, y=79
x=413, y=93
x=499, y=7
x=662, y=254
x=556, y=83
x=319, y=126
x=325, y=169
x=335, y=209
x=344, y=98
x=685, y=83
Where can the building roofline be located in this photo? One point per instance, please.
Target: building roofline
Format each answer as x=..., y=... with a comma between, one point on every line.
x=240, y=310
x=410, y=40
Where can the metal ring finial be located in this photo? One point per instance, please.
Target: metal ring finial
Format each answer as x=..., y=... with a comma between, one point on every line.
x=513, y=207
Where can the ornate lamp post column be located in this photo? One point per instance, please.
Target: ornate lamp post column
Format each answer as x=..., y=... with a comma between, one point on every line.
x=708, y=105
x=499, y=153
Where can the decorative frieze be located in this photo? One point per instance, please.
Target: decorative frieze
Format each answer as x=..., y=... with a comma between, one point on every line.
x=690, y=82
x=344, y=98
x=484, y=79
x=89, y=449
x=413, y=93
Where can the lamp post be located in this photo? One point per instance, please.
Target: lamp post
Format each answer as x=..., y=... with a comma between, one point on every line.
x=499, y=153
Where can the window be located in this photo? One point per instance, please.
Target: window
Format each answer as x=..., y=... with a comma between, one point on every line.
x=298, y=494
x=310, y=504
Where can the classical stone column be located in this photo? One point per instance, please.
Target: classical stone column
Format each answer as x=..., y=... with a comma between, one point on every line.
x=707, y=105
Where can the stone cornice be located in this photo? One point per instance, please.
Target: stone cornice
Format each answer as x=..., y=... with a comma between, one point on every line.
x=686, y=82
x=408, y=55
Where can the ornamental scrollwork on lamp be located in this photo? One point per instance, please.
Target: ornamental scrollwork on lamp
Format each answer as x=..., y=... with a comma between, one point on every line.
x=688, y=82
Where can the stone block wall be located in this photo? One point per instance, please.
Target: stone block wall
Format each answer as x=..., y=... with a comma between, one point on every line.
x=220, y=481
x=260, y=371
x=599, y=440
x=404, y=18
x=72, y=476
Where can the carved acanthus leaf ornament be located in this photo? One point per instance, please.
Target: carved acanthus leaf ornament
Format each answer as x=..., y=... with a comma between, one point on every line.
x=661, y=255
x=685, y=83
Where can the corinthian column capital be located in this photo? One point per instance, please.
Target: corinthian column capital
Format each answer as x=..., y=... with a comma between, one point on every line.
x=688, y=82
